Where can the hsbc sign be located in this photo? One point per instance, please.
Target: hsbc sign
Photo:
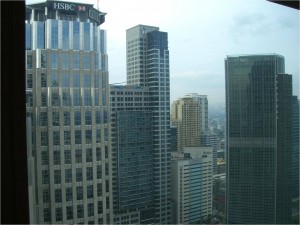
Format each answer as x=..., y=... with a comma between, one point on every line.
x=69, y=6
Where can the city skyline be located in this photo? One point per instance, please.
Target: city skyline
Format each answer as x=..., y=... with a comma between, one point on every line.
x=201, y=34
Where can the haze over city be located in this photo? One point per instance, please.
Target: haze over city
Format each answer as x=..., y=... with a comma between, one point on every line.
x=201, y=34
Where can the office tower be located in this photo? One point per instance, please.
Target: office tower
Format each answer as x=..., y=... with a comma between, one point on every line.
x=132, y=150
x=148, y=93
x=295, y=159
x=68, y=108
x=190, y=114
x=191, y=189
x=259, y=118
x=219, y=187
x=210, y=139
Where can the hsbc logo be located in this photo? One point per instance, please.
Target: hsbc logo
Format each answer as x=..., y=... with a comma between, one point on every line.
x=66, y=6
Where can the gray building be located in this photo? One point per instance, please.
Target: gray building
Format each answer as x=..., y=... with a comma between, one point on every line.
x=259, y=118
x=147, y=89
x=68, y=114
x=132, y=150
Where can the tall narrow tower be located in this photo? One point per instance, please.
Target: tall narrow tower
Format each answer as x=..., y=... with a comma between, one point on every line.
x=259, y=119
x=68, y=108
x=148, y=66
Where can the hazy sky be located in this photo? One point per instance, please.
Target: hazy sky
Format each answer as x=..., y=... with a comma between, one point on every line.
x=201, y=34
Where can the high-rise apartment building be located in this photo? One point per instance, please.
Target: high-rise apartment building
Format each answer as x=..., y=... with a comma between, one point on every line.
x=259, y=119
x=295, y=143
x=190, y=113
x=147, y=96
x=68, y=114
x=191, y=177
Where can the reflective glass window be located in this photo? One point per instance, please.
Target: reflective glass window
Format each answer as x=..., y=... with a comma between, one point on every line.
x=29, y=61
x=76, y=97
x=87, y=80
x=57, y=195
x=89, y=155
x=87, y=61
x=65, y=34
x=66, y=97
x=40, y=35
x=77, y=118
x=69, y=212
x=66, y=80
x=54, y=60
x=28, y=36
x=78, y=155
x=68, y=156
x=67, y=137
x=29, y=81
x=76, y=60
x=86, y=31
x=43, y=119
x=76, y=80
x=55, y=101
x=67, y=119
x=88, y=136
x=88, y=118
x=77, y=136
x=76, y=36
x=78, y=177
x=87, y=97
x=65, y=61
x=56, y=138
x=68, y=176
x=54, y=34
x=69, y=195
x=55, y=118
x=80, y=211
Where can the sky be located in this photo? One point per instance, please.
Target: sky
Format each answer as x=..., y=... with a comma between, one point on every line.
x=201, y=33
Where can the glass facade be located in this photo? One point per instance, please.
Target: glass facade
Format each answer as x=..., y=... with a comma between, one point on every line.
x=60, y=72
x=258, y=115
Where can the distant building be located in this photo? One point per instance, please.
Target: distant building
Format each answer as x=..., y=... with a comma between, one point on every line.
x=295, y=143
x=258, y=145
x=219, y=191
x=191, y=178
x=190, y=114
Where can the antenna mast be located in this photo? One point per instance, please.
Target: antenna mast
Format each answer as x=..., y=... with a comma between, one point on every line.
x=98, y=5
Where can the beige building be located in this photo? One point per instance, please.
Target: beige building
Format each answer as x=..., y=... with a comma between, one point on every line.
x=190, y=114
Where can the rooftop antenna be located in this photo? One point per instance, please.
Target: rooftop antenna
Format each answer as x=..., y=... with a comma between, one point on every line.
x=98, y=5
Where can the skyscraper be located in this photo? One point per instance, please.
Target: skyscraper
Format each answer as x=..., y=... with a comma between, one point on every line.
x=190, y=113
x=258, y=117
x=147, y=97
x=68, y=114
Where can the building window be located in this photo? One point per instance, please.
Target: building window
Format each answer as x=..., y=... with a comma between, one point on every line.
x=55, y=118
x=78, y=174
x=80, y=211
x=89, y=155
x=44, y=99
x=43, y=60
x=76, y=97
x=88, y=136
x=55, y=98
x=89, y=173
x=86, y=28
x=54, y=34
x=44, y=138
x=90, y=191
x=69, y=194
x=78, y=155
x=46, y=196
x=68, y=156
x=99, y=171
x=57, y=177
x=86, y=61
x=68, y=175
x=100, y=209
x=56, y=138
x=77, y=136
x=45, y=158
x=67, y=137
x=91, y=209
x=87, y=80
x=58, y=214
x=56, y=157
x=65, y=61
x=57, y=195
x=67, y=121
x=66, y=80
x=29, y=81
x=76, y=37
x=77, y=119
x=47, y=215
x=45, y=177
x=43, y=80
x=99, y=193
x=54, y=60
x=29, y=61
x=66, y=97
x=65, y=35
x=98, y=152
x=79, y=191
x=43, y=119
x=87, y=97
x=88, y=118
x=69, y=210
